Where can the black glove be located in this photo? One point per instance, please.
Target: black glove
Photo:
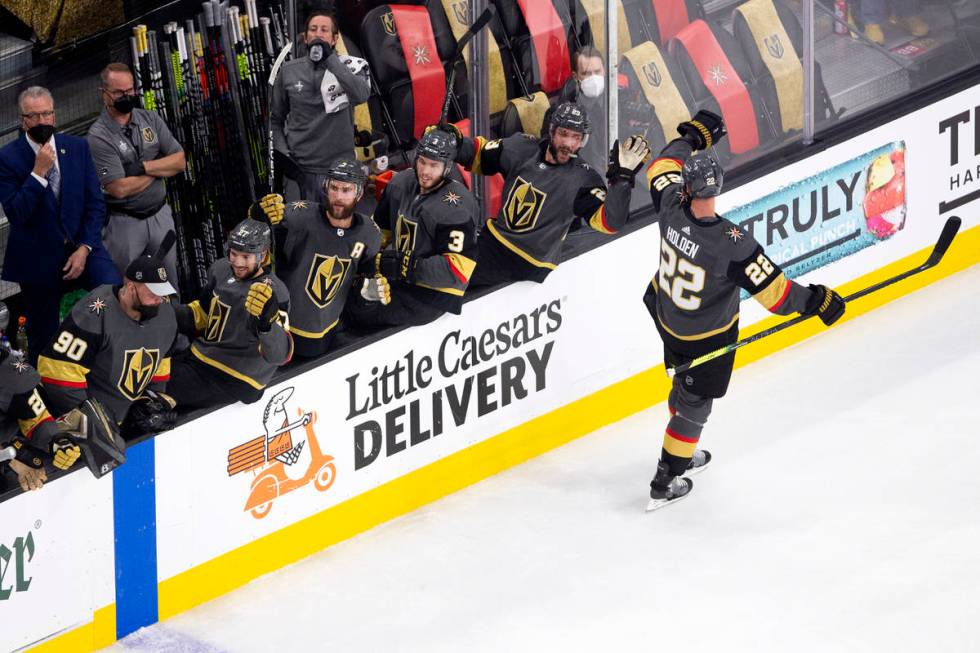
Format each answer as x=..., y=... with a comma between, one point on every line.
x=703, y=130
x=626, y=160
x=133, y=168
x=27, y=453
x=825, y=304
x=151, y=413
x=392, y=264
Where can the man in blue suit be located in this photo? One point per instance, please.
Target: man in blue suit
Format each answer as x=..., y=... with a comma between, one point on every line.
x=50, y=194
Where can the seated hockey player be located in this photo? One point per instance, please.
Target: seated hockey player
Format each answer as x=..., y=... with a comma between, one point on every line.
x=545, y=189
x=705, y=261
x=115, y=346
x=321, y=247
x=29, y=437
x=428, y=222
x=240, y=324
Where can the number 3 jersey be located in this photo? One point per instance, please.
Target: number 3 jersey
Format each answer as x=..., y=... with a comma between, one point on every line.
x=437, y=232
x=704, y=263
x=102, y=352
x=318, y=263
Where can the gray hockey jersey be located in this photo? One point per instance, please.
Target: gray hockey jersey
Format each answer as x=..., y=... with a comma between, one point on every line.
x=540, y=199
x=23, y=410
x=704, y=263
x=437, y=232
x=228, y=338
x=319, y=262
x=102, y=352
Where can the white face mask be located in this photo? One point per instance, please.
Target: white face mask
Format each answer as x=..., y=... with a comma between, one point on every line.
x=593, y=85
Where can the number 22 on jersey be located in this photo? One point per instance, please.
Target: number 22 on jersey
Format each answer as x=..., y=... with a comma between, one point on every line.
x=680, y=279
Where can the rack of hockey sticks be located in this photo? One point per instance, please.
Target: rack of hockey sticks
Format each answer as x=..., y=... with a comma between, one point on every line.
x=949, y=231
x=207, y=80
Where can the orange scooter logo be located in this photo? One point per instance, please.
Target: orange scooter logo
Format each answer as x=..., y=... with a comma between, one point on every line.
x=279, y=465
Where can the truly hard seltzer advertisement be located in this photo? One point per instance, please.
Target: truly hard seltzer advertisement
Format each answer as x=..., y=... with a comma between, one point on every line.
x=822, y=219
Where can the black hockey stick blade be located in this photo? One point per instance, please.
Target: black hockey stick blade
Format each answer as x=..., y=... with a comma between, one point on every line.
x=946, y=237
x=168, y=241
x=949, y=232
x=478, y=24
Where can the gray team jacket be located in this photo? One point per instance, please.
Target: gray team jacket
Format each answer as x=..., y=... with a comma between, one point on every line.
x=301, y=126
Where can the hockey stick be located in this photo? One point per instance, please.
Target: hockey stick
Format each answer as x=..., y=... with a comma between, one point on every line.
x=945, y=239
x=273, y=74
x=481, y=21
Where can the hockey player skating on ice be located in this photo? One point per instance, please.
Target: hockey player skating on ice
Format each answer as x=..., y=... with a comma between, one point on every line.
x=545, y=189
x=694, y=298
x=430, y=221
x=241, y=322
x=322, y=247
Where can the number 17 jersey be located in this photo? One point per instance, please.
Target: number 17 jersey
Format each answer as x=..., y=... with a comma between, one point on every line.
x=704, y=262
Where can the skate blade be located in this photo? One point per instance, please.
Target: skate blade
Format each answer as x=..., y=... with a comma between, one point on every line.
x=697, y=470
x=657, y=504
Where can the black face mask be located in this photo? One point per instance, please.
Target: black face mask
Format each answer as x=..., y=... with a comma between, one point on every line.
x=126, y=104
x=41, y=133
x=317, y=47
x=146, y=312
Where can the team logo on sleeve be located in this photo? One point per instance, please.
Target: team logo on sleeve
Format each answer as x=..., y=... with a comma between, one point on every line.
x=137, y=371
x=327, y=274
x=217, y=319
x=405, y=233
x=523, y=205
x=148, y=135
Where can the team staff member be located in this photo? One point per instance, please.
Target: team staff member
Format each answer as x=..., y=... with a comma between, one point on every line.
x=312, y=104
x=241, y=323
x=545, y=190
x=694, y=299
x=429, y=223
x=134, y=152
x=115, y=346
x=50, y=193
x=587, y=88
x=322, y=247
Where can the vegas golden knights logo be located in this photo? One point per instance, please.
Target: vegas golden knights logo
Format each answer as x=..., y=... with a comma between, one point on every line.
x=138, y=368
x=326, y=276
x=523, y=206
x=774, y=45
x=652, y=73
x=217, y=319
x=405, y=232
x=388, y=21
x=462, y=12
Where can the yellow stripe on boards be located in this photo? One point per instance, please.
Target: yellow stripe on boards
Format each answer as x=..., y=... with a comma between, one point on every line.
x=512, y=447
x=95, y=635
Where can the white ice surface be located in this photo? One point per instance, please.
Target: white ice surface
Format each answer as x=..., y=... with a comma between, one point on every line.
x=841, y=513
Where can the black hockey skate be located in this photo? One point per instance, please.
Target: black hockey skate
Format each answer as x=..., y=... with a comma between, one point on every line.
x=699, y=461
x=664, y=491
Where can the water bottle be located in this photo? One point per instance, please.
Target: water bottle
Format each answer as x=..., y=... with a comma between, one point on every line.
x=840, y=12
x=20, y=339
